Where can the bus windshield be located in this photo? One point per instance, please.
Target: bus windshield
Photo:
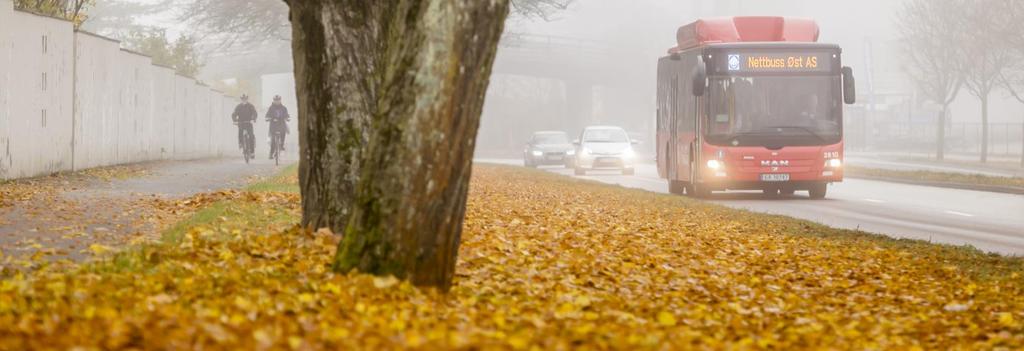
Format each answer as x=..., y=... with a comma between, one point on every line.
x=793, y=110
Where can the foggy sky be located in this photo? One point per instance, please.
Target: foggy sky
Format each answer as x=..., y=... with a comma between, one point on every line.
x=648, y=27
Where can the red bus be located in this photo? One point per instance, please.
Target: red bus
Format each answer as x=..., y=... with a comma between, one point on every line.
x=752, y=103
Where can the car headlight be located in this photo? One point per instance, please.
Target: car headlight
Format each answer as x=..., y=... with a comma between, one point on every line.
x=629, y=153
x=834, y=163
x=570, y=152
x=585, y=152
x=538, y=153
x=715, y=164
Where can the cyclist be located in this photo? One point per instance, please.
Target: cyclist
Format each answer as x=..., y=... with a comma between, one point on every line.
x=278, y=117
x=245, y=116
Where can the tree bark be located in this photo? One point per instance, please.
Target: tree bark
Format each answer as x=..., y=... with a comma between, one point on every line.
x=940, y=143
x=390, y=96
x=984, y=128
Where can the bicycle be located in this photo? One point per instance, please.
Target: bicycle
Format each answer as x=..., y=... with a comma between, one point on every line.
x=248, y=145
x=276, y=144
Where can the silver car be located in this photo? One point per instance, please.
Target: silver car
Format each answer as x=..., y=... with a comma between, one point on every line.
x=549, y=148
x=603, y=147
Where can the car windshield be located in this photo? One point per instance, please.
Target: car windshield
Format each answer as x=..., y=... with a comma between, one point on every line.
x=800, y=106
x=550, y=139
x=606, y=136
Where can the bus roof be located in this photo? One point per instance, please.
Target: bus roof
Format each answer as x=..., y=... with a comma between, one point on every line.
x=745, y=29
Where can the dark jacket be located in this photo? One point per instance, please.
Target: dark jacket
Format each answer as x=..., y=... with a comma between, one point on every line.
x=244, y=113
x=278, y=117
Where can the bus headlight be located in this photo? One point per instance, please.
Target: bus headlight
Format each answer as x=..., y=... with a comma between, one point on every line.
x=834, y=163
x=715, y=164
x=538, y=153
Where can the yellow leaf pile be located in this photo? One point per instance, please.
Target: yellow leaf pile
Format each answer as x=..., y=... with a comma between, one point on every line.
x=546, y=263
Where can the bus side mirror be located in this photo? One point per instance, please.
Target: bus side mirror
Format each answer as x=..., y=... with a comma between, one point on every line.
x=849, y=86
x=700, y=80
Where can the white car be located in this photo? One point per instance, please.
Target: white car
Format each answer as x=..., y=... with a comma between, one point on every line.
x=601, y=147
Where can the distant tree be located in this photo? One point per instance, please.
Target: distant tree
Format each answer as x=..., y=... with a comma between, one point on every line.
x=182, y=54
x=71, y=10
x=924, y=27
x=1013, y=79
x=985, y=52
x=119, y=18
x=254, y=21
x=539, y=8
x=1015, y=86
x=237, y=22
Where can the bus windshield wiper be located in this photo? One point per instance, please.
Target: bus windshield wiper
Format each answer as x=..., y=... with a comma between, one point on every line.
x=808, y=130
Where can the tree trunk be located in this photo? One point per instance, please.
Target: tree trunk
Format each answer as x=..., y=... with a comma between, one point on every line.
x=390, y=96
x=984, y=128
x=940, y=142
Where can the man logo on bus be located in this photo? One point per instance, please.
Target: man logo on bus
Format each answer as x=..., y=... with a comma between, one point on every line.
x=734, y=62
x=775, y=163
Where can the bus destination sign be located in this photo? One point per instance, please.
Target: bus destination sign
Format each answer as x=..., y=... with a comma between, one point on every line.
x=775, y=62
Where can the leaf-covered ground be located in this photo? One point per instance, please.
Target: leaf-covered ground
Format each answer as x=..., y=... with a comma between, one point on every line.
x=546, y=263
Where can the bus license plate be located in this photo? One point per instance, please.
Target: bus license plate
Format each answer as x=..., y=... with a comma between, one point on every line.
x=775, y=177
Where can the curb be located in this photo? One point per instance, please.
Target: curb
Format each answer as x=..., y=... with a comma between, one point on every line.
x=975, y=187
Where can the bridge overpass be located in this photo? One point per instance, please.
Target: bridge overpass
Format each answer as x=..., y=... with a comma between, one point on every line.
x=582, y=65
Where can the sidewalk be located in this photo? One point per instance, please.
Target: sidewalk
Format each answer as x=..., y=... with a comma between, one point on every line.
x=70, y=216
x=998, y=167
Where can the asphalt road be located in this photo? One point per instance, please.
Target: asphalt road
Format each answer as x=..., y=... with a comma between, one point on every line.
x=991, y=222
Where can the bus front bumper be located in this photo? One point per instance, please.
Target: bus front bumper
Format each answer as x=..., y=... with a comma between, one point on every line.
x=723, y=181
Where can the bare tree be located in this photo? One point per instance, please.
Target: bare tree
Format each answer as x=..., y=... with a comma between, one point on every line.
x=984, y=52
x=1015, y=86
x=925, y=35
x=255, y=21
x=237, y=22
x=390, y=96
x=539, y=8
x=1013, y=79
x=120, y=18
x=71, y=10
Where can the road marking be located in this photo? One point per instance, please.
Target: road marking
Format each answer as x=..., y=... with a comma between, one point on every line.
x=875, y=201
x=960, y=213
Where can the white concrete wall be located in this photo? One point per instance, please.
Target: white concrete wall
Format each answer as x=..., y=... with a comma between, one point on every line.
x=103, y=105
x=41, y=81
x=203, y=133
x=6, y=12
x=163, y=111
x=230, y=144
x=96, y=117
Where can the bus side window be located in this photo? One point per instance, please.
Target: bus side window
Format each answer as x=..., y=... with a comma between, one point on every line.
x=686, y=97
